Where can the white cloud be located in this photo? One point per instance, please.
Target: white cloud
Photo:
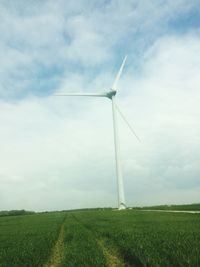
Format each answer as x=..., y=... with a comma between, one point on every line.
x=46, y=36
x=164, y=105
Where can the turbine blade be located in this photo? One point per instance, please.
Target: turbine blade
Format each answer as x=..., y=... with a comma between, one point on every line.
x=130, y=127
x=114, y=86
x=82, y=94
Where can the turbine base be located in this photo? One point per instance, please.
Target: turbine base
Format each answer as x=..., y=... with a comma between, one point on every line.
x=122, y=206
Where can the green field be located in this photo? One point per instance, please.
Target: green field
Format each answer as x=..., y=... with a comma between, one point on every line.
x=28, y=240
x=100, y=238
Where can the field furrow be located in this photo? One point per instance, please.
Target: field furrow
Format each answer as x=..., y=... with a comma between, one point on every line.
x=57, y=254
x=113, y=258
x=81, y=248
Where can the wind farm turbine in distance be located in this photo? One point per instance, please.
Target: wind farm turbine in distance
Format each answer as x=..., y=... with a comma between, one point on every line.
x=111, y=94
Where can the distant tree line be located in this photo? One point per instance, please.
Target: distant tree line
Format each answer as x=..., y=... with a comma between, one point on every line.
x=15, y=212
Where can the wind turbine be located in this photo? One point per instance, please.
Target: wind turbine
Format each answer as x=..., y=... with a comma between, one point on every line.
x=111, y=94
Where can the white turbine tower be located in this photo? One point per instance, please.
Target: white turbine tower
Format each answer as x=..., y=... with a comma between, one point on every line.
x=111, y=94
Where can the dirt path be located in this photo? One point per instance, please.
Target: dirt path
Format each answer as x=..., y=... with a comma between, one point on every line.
x=112, y=257
x=58, y=251
x=183, y=211
x=56, y=257
x=113, y=260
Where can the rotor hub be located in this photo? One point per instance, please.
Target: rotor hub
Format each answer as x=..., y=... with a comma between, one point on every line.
x=111, y=93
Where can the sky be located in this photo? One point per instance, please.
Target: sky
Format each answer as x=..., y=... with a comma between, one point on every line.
x=57, y=152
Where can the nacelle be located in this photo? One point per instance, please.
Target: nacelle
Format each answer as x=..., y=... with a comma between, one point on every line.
x=111, y=93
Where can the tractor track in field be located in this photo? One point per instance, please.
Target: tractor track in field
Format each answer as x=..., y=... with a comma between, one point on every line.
x=57, y=253
x=112, y=257
x=113, y=260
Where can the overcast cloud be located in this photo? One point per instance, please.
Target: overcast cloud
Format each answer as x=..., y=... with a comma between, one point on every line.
x=57, y=153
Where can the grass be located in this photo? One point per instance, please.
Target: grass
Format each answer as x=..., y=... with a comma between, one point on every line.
x=81, y=247
x=147, y=239
x=103, y=238
x=28, y=240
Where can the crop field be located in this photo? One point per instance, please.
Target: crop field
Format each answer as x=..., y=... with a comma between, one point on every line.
x=28, y=240
x=101, y=238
